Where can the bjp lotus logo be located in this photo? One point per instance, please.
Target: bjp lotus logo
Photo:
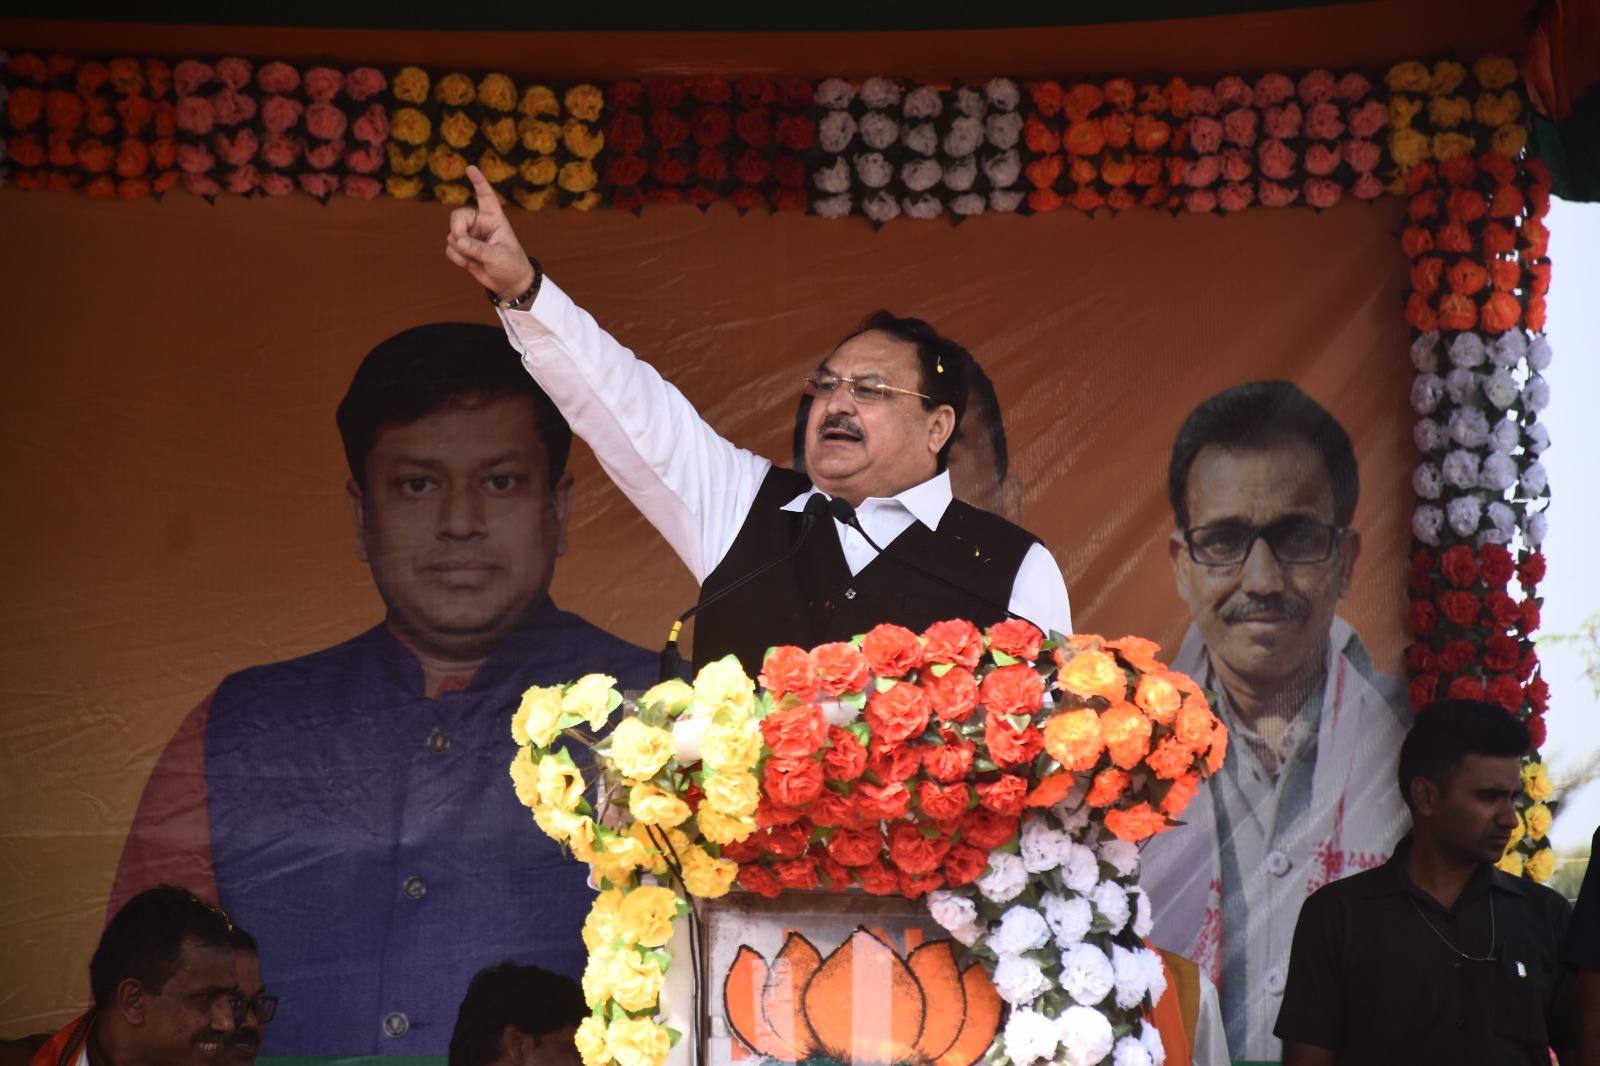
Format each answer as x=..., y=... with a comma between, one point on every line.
x=863, y=1005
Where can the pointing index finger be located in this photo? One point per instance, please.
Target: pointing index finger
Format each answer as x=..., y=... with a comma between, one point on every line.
x=488, y=201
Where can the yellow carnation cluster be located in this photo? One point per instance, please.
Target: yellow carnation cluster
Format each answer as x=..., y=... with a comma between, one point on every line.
x=1462, y=117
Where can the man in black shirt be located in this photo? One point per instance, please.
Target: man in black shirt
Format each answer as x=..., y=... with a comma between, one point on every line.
x=1582, y=957
x=1436, y=956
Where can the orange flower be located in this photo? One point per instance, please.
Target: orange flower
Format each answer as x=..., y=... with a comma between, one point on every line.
x=1044, y=200
x=1158, y=697
x=1138, y=653
x=1073, y=739
x=63, y=110
x=95, y=157
x=1085, y=137
x=1016, y=689
x=955, y=641
x=24, y=107
x=1108, y=787
x=1172, y=758
x=1500, y=313
x=841, y=667
x=1136, y=824
x=891, y=650
x=1467, y=277
x=1150, y=133
x=1178, y=796
x=1420, y=313
x=1195, y=723
x=1017, y=638
x=789, y=670
x=1457, y=311
x=1090, y=673
x=1044, y=172
x=1119, y=93
x=1117, y=169
x=1052, y=790
x=1505, y=274
x=1041, y=139
x=1465, y=205
x=1127, y=733
x=1081, y=102
x=1047, y=96
x=1416, y=241
x=1536, y=237
x=1082, y=171
x=1118, y=129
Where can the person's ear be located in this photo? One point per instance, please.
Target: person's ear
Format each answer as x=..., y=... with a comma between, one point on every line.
x=940, y=426
x=516, y=1047
x=131, y=1000
x=1349, y=549
x=561, y=505
x=358, y=514
x=1425, y=796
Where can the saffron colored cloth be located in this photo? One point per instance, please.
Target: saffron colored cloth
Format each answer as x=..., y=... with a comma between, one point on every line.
x=694, y=486
x=69, y=1047
x=1378, y=973
x=369, y=836
x=1227, y=885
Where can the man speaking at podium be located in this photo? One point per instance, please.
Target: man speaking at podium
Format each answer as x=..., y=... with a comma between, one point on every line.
x=888, y=398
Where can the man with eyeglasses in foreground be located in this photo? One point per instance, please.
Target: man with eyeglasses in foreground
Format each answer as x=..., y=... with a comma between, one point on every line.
x=887, y=400
x=1263, y=483
x=253, y=1008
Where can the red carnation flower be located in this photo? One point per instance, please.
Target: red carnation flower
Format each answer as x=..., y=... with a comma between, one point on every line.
x=897, y=762
x=845, y=757
x=1459, y=566
x=1531, y=570
x=1496, y=565
x=1461, y=608
x=983, y=828
x=754, y=877
x=1006, y=795
x=964, y=864
x=941, y=802
x=948, y=762
x=1422, y=690
x=913, y=852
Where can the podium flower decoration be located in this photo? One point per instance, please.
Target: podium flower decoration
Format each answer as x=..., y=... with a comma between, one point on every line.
x=1006, y=777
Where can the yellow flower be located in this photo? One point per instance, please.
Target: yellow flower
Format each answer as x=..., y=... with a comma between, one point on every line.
x=602, y=926
x=1509, y=140
x=539, y=136
x=1517, y=833
x=560, y=784
x=498, y=92
x=455, y=90
x=638, y=1042
x=655, y=859
x=724, y=686
x=457, y=130
x=1448, y=112
x=591, y=1041
x=1538, y=819
x=1494, y=72
x=639, y=751
x=675, y=694
x=404, y=162
x=495, y=168
x=452, y=194
x=646, y=915
x=634, y=982
x=539, y=100
x=410, y=126
x=1541, y=865
x=707, y=877
x=501, y=134
x=1410, y=77
x=1402, y=109
x=410, y=85
x=1408, y=147
x=1447, y=75
x=1511, y=863
x=524, y=775
x=580, y=140
x=734, y=793
x=596, y=978
x=1536, y=782
x=656, y=806
x=1497, y=109
x=446, y=163
x=731, y=744
x=1448, y=146
x=617, y=857
x=587, y=202
x=539, y=171
x=402, y=188
x=591, y=698
x=720, y=828
x=577, y=177
x=574, y=830
x=534, y=199
x=539, y=711
x=585, y=102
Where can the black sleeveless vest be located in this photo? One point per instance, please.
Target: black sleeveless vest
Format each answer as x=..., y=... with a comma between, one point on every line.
x=813, y=598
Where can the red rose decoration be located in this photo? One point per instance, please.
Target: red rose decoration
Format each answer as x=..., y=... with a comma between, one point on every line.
x=953, y=696
x=792, y=782
x=1424, y=618
x=882, y=803
x=956, y=641
x=795, y=93
x=710, y=126
x=1505, y=611
x=914, y=886
x=1498, y=239
x=1015, y=689
x=625, y=94
x=896, y=713
x=669, y=129
x=796, y=132
x=941, y=802
x=1007, y=795
x=1421, y=659
x=1531, y=570
x=1017, y=638
x=879, y=878
x=754, y=877
x=897, y=762
x=710, y=89
x=1421, y=572
x=948, y=762
x=789, y=172
x=666, y=92
x=786, y=841
x=1528, y=663
x=857, y=846
x=795, y=732
x=964, y=864
x=1007, y=747
x=1500, y=653
x=832, y=808
x=983, y=828
x=913, y=852
x=1505, y=690
x=703, y=195
x=1465, y=688
x=845, y=758
x=841, y=666
x=1455, y=656
x=625, y=133
x=1460, y=608
x=1536, y=730
x=770, y=814
x=710, y=165
x=788, y=670
x=754, y=127
x=789, y=199
x=1538, y=695
x=746, y=850
x=1422, y=690
x=751, y=167
x=1459, y=566
x=891, y=650
x=1530, y=616
x=834, y=876
x=797, y=874
x=1495, y=564
x=626, y=170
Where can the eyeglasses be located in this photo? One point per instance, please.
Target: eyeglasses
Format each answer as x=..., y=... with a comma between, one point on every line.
x=1294, y=541
x=863, y=390
x=263, y=1007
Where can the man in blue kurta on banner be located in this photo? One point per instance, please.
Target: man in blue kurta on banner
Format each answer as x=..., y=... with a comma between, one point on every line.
x=353, y=807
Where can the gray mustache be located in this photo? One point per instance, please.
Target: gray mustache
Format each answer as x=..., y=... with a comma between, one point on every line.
x=839, y=421
x=1266, y=608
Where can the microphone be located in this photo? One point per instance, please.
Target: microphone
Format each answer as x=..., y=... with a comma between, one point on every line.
x=845, y=514
x=816, y=507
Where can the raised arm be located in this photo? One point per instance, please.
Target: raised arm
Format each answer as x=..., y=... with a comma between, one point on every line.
x=482, y=242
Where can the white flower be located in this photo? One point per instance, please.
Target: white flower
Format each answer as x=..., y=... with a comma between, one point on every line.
x=1535, y=394
x=1534, y=528
x=835, y=93
x=1423, y=352
x=1426, y=392
x=1461, y=469
x=921, y=175
x=880, y=207
x=1509, y=348
x=1003, y=94
x=1085, y=1034
x=968, y=203
x=1503, y=437
x=1534, y=480
x=963, y=137
x=1086, y=973
x=1499, y=472
x=1080, y=870
x=836, y=130
x=959, y=174
x=1155, y=973
x=1030, y=1036
x=1003, y=131
x=951, y=910
x=874, y=170
x=880, y=92
x=1005, y=877
x=1426, y=522
x=921, y=138
x=968, y=101
x=1111, y=902
x=1539, y=353
x=835, y=178
x=1536, y=438
x=1463, y=513
x=922, y=102
x=1428, y=435
x=1150, y=1037
x=1121, y=854
x=1426, y=482
x=1020, y=980
x=1132, y=978
x=1021, y=929
x=1003, y=170
x=1143, y=919
x=1069, y=919
x=1042, y=847
x=1004, y=200
x=970, y=933
x=1462, y=386
x=1466, y=350
x=1500, y=388
x=1502, y=522
x=1469, y=426
x=833, y=206
x=878, y=130
x=1130, y=1052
